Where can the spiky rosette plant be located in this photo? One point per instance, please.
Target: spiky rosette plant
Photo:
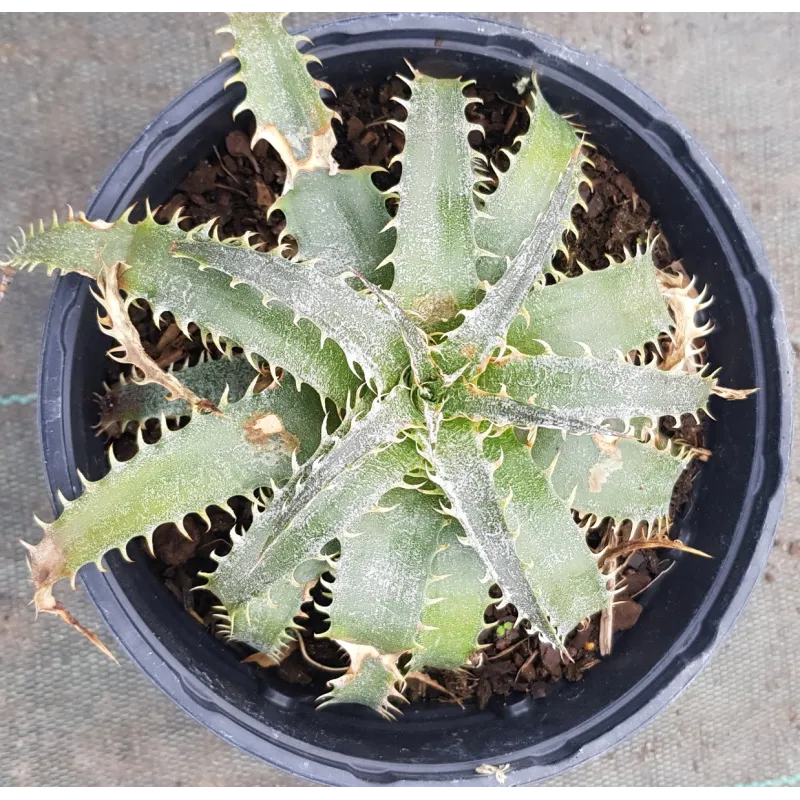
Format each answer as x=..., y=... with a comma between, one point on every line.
x=423, y=402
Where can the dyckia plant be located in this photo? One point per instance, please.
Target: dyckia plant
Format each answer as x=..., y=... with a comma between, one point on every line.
x=424, y=403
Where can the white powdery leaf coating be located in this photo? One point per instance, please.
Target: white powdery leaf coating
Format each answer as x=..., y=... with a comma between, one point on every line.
x=457, y=595
x=364, y=330
x=558, y=564
x=284, y=99
x=467, y=479
x=622, y=479
x=264, y=620
x=129, y=401
x=597, y=390
x=434, y=258
x=484, y=328
x=351, y=471
x=385, y=556
x=205, y=298
x=288, y=538
x=619, y=308
x=338, y=221
x=524, y=190
x=467, y=401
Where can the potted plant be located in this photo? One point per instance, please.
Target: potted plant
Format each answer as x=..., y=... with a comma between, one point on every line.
x=445, y=447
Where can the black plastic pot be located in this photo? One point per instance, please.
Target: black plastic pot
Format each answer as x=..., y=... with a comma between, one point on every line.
x=735, y=507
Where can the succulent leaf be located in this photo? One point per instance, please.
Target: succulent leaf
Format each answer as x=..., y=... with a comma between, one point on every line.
x=266, y=621
x=435, y=252
x=371, y=681
x=203, y=297
x=385, y=556
x=368, y=335
x=597, y=390
x=284, y=99
x=210, y=460
x=558, y=564
x=467, y=479
x=619, y=308
x=338, y=221
x=128, y=401
x=457, y=595
x=620, y=478
x=469, y=401
x=484, y=328
x=525, y=189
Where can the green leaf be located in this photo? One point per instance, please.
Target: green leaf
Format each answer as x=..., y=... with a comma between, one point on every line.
x=457, y=595
x=423, y=368
x=385, y=556
x=338, y=220
x=619, y=308
x=466, y=400
x=558, y=564
x=434, y=256
x=467, y=479
x=597, y=390
x=265, y=622
x=524, y=190
x=127, y=401
x=618, y=478
x=205, y=298
x=210, y=460
x=281, y=94
x=371, y=681
x=484, y=328
x=351, y=471
x=363, y=329
x=427, y=591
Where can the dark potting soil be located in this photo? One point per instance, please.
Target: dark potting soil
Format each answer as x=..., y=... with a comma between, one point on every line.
x=237, y=186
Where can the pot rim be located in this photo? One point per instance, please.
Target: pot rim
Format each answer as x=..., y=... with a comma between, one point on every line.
x=154, y=656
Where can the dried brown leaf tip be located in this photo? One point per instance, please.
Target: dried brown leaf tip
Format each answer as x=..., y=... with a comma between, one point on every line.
x=54, y=607
x=47, y=565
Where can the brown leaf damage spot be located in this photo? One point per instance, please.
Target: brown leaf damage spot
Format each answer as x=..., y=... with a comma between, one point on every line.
x=319, y=156
x=435, y=307
x=610, y=461
x=268, y=430
x=469, y=351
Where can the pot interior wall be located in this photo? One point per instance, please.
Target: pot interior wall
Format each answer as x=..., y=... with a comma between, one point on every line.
x=658, y=163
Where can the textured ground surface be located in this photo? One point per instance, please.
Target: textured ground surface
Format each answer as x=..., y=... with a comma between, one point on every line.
x=75, y=92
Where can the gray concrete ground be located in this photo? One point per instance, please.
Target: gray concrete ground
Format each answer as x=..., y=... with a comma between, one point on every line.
x=75, y=90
